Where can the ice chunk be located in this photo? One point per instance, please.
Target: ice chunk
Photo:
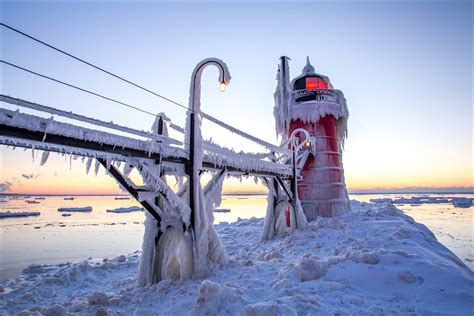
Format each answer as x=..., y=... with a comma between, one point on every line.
x=369, y=258
x=75, y=209
x=98, y=298
x=221, y=210
x=8, y=214
x=209, y=299
x=268, y=309
x=57, y=310
x=126, y=209
x=101, y=311
x=462, y=202
x=407, y=277
x=310, y=269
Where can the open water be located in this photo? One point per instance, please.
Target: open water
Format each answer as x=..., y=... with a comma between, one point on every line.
x=53, y=238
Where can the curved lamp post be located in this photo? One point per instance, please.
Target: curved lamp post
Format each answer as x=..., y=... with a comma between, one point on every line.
x=193, y=128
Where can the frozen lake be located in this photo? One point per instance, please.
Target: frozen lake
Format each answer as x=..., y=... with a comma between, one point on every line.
x=54, y=238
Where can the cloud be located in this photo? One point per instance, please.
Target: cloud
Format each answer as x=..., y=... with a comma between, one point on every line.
x=30, y=176
x=5, y=186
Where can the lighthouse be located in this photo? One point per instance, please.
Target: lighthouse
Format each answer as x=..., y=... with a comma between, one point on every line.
x=310, y=102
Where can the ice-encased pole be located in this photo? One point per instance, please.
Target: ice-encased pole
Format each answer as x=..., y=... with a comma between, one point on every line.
x=281, y=96
x=201, y=224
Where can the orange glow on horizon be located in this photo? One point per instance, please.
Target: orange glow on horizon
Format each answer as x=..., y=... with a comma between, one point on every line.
x=62, y=176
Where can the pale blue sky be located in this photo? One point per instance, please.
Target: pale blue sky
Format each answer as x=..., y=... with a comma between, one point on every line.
x=405, y=69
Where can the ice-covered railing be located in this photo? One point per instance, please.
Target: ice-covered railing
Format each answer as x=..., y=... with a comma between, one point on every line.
x=327, y=95
x=85, y=119
x=46, y=126
x=219, y=157
x=234, y=130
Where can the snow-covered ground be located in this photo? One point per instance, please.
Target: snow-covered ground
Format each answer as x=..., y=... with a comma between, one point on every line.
x=374, y=260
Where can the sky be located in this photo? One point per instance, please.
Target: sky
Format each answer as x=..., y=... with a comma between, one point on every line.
x=405, y=69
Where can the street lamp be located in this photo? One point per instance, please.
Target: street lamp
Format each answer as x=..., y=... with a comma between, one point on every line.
x=193, y=124
x=195, y=90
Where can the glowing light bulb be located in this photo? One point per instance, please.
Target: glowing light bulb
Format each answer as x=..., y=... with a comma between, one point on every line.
x=222, y=86
x=308, y=143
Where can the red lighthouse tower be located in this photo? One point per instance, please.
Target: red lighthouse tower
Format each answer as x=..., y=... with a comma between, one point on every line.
x=310, y=102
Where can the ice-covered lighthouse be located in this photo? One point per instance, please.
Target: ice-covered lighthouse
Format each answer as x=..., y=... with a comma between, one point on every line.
x=310, y=102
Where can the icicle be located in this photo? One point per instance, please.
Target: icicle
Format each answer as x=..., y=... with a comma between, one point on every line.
x=301, y=219
x=48, y=124
x=70, y=162
x=33, y=154
x=146, y=269
x=108, y=162
x=88, y=164
x=127, y=169
x=44, y=157
x=268, y=226
x=96, y=169
x=181, y=185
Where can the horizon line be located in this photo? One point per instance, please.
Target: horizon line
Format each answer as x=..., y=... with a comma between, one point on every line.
x=355, y=191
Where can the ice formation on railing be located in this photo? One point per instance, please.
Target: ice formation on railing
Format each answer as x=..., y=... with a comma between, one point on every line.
x=85, y=119
x=38, y=124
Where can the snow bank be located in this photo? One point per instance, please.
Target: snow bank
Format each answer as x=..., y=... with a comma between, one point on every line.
x=8, y=214
x=374, y=260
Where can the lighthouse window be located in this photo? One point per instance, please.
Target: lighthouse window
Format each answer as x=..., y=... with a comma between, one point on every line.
x=313, y=83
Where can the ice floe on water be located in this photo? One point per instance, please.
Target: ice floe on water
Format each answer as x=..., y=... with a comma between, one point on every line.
x=462, y=202
x=221, y=210
x=32, y=202
x=75, y=209
x=9, y=214
x=126, y=209
x=374, y=260
x=418, y=200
